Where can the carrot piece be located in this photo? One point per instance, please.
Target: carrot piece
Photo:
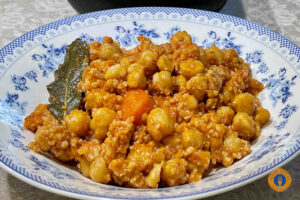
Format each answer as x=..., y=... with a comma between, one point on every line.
x=136, y=103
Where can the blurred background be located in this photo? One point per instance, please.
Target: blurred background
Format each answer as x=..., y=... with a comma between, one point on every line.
x=20, y=16
x=93, y=5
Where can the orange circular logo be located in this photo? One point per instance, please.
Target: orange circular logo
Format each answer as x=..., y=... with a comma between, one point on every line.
x=279, y=180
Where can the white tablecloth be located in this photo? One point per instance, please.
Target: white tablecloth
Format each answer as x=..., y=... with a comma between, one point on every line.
x=20, y=16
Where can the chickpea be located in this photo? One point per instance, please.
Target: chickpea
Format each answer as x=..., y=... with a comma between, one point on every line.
x=78, y=122
x=162, y=82
x=102, y=118
x=230, y=55
x=84, y=167
x=99, y=98
x=190, y=67
x=172, y=140
x=153, y=177
x=262, y=116
x=136, y=79
x=148, y=60
x=174, y=172
x=191, y=102
x=211, y=103
x=101, y=65
x=134, y=67
x=234, y=148
x=197, y=86
x=94, y=47
x=35, y=119
x=257, y=129
x=254, y=86
x=244, y=102
x=192, y=138
x=226, y=114
x=109, y=50
x=99, y=171
x=63, y=152
x=233, y=143
x=159, y=124
x=180, y=38
x=116, y=71
x=140, y=153
x=125, y=62
x=180, y=83
x=203, y=57
x=164, y=63
x=159, y=155
x=244, y=125
x=217, y=54
x=201, y=159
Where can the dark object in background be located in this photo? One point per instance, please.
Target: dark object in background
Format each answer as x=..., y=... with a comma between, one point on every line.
x=84, y=6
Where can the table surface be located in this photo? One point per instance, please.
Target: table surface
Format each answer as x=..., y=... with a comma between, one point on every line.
x=20, y=16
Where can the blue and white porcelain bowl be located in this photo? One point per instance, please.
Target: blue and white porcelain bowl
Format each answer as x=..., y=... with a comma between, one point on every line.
x=27, y=65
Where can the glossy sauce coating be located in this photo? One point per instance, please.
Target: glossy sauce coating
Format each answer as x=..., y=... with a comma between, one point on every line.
x=155, y=115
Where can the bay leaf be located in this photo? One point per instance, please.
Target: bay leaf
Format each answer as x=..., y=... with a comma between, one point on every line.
x=64, y=95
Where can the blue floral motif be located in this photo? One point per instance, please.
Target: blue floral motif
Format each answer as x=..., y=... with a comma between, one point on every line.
x=89, y=39
x=51, y=59
x=16, y=134
x=171, y=32
x=234, y=171
x=272, y=143
x=127, y=37
x=285, y=113
x=12, y=101
x=254, y=57
x=11, y=110
x=16, y=142
x=279, y=86
x=9, y=115
x=262, y=68
x=227, y=42
x=31, y=75
x=19, y=83
x=281, y=125
x=45, y=165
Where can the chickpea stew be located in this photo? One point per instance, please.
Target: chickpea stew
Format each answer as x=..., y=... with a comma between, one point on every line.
x=155, y=115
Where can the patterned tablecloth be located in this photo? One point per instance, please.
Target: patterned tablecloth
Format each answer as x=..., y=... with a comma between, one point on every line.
x=20, y=16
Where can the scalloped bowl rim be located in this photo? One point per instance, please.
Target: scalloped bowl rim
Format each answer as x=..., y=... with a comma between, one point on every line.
x=67, y=20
